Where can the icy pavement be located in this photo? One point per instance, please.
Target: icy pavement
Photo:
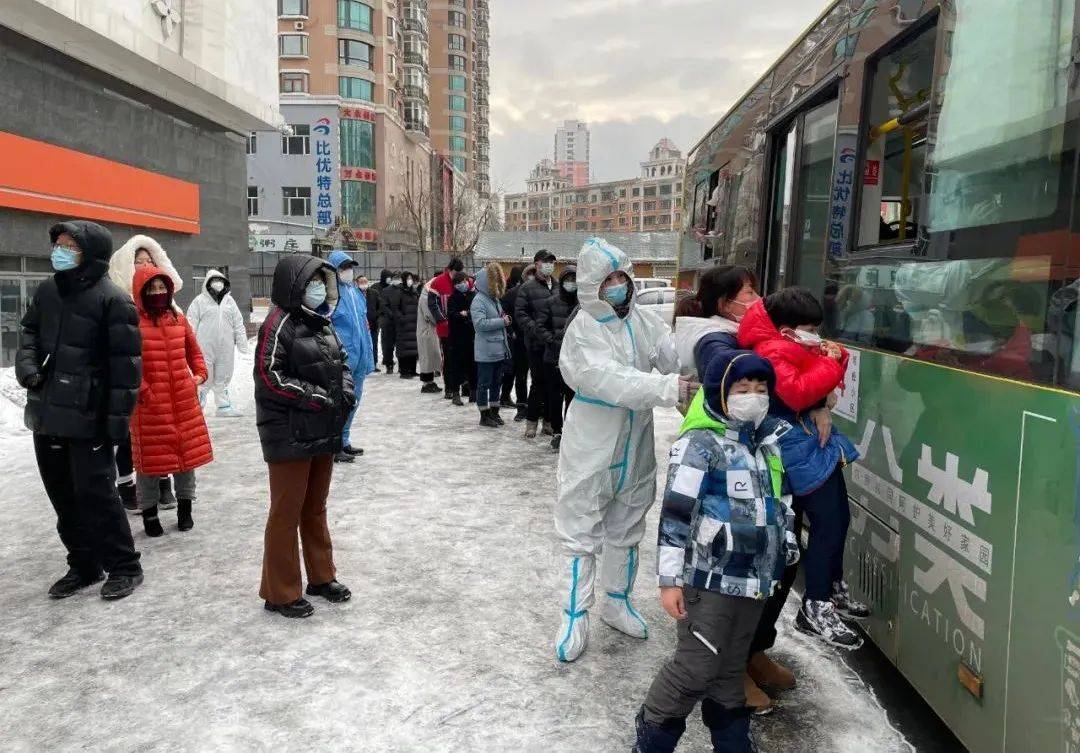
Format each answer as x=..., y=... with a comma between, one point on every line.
x=444, y=533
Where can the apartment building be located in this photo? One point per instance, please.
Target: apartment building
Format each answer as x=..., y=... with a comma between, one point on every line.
x=142, y=131
x=650, y=202
x=572, y=152
x=367, y=91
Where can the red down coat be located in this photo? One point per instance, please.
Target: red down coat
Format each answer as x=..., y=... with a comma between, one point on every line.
x=803, y=377
x=168, y=432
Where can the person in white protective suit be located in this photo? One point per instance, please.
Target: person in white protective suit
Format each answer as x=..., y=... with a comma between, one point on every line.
x=219, y=328
x=607, y=464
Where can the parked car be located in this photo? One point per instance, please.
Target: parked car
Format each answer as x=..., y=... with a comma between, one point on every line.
x=648, y=283
x=660, y=301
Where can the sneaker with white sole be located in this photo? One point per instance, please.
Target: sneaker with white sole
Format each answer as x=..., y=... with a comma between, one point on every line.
x=819, y=619
x=847, y=606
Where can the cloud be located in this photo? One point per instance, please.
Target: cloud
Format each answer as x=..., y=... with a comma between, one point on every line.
x=635, y=70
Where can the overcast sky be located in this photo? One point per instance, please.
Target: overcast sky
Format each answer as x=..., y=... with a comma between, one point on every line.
x=635, y=70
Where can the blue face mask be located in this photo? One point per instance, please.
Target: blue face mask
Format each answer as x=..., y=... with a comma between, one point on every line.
x=315, y=295
x=64, y=258
x=462, y=287
x=616, y=294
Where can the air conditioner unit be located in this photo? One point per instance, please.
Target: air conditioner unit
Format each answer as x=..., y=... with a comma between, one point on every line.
x=299, y=25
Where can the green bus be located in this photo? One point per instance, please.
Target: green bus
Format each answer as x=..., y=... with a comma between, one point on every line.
x=915, y=164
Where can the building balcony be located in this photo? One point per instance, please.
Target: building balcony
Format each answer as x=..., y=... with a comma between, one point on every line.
x=415, y=26
x=411, y=91
x=416, y=129
x=417, y=59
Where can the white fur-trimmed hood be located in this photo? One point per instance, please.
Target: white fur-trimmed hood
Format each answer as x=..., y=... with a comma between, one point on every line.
x=122, y=263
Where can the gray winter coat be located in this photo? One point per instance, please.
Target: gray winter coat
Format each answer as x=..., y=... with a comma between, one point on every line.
x=491, y=344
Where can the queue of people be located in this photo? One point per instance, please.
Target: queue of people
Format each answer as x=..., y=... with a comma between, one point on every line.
x=110, y=362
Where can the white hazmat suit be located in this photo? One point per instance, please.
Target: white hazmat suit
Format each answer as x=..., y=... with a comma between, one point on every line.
x=607, y=462
x=219, y=328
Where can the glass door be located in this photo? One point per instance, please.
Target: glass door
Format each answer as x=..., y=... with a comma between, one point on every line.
x=10, y=316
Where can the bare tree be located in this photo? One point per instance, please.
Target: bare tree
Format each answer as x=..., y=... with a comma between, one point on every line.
x=412, y=213
x=470, y=215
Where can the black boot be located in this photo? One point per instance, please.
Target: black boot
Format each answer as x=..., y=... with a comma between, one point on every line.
x=522, y=413
x=168, y=499
x=390, y=368
x=657, y=738
x=150, y=522
x=296, y=609
x=447, y=394
x=344, y=457
x=184, y=520
x=119, y=586
x=333, y=591
x=128, y=496
x=430, y=388
x=455, y=399
x=729, y=728
x=487, y=420
x=507, y=403
x=72, y=583
x=495, y=414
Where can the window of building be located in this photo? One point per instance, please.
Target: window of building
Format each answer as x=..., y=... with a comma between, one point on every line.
x=253, y=201
x=351, y=87
x=650, y=206
x=293, y=45
x=650, y=191
x=665, y=189
x=457, y=84
x=456, y=62
x=457, y=123
x=358, y=203
x=293, y=8
x=391, y=28
x=456, y=42
x=299, y=142
x=637, y=192
x=456, y=18
x=459, y=163
x=293, y=83
x=458, y=102
x=353, y=52
x=354, y=15
x=636, y=206
x=391, y=65
x=357, y=143
x=252, y=143
x=593, y=212
x=296, y=201
x=458, y=144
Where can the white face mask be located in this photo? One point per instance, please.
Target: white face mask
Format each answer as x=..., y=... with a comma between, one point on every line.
x=808, y=338
x=547, y=268
x=752, y=408
x=217, y=285
x=395, y=282
x=346, y=275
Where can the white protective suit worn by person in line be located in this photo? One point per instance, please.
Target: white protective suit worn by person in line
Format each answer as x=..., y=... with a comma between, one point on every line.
x=219, y=328
x=607, y=463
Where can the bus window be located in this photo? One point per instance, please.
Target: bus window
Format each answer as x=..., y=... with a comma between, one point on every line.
x=814, y=187
x=895, y=154
x=990, y=282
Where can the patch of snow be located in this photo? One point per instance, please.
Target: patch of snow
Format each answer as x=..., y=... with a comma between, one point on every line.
x=12, y=402
x=444, y=532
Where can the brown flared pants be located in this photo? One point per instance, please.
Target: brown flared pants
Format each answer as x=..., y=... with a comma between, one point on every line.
x=298, y=491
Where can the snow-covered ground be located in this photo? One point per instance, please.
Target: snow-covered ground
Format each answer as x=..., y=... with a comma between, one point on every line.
x=444, y=533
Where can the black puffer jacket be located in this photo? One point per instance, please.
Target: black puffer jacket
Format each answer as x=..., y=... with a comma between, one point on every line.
x=374, y=306
x=80, y=349
x=303, y=390
x=532, y=297
x=556, y=316
x=509, y=303
x=405, y=321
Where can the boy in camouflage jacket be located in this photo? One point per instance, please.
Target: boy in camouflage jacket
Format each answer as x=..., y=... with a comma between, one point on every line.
x=726, y=535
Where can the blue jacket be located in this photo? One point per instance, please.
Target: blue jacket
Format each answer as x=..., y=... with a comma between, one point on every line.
x=351, y=324
x=808, y=465
x=726, y=524
x=491, y=344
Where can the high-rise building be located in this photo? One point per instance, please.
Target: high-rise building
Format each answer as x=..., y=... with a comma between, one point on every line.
x=377, y=94
x=650, y=202
x=572, y=151
x=460, y=66
x=133, y=115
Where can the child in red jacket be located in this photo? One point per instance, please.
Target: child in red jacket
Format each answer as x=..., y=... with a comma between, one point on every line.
x=783, y=329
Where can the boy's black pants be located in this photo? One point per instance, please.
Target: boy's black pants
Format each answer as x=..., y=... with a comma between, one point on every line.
x=80, y=479
x=826, y=510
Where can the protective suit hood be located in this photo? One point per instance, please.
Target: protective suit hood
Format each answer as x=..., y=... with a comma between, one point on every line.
x=211, y=275
x=596, y=260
